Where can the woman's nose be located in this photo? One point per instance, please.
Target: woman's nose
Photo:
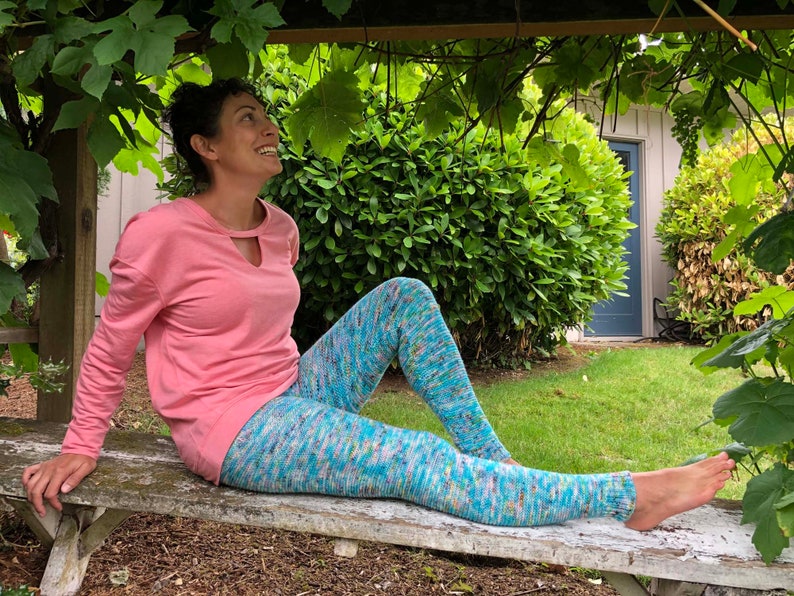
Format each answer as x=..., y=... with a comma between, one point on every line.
x=270, y=128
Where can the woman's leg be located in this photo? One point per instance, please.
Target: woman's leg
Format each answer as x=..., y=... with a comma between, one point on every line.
x=400, y=318
x=294, y=444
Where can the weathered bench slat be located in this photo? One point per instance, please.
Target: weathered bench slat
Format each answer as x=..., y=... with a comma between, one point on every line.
x=143, y=473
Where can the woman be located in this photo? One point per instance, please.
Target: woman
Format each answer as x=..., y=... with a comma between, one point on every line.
x=208, y=280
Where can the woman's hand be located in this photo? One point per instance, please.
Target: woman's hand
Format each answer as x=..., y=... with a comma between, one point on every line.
x=60, y=474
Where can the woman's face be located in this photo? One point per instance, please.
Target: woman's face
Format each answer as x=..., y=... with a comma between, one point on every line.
x=246, y=143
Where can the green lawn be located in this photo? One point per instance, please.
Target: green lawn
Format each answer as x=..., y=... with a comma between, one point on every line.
x=628, y=408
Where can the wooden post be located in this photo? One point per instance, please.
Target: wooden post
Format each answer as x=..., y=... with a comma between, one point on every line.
x=67, y=288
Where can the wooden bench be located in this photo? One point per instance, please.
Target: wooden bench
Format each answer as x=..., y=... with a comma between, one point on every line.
x=143, y=473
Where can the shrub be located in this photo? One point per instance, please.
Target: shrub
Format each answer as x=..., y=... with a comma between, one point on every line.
x=516, y=243
x=691, y=226
x=514, y=251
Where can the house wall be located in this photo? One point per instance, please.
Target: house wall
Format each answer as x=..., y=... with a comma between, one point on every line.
x=659, y=158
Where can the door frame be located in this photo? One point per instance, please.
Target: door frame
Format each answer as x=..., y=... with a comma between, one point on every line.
x=644, y=235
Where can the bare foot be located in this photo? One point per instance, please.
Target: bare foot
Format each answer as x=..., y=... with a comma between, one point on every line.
x=663, y=493
x=511, y=462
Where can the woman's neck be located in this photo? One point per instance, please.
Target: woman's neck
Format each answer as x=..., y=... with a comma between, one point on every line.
x=240, y=212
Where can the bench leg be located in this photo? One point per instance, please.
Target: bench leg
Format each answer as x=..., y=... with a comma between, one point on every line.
x=344, y=547
x=72, y=537
x=669, y=587
x=625, y=584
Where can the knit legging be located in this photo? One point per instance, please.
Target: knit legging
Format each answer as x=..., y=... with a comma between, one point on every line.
x=311, y=439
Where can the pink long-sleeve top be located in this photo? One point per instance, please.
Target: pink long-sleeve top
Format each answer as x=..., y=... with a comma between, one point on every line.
x=217, y=330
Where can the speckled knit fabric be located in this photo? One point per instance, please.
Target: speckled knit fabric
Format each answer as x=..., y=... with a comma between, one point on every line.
x=312, y=440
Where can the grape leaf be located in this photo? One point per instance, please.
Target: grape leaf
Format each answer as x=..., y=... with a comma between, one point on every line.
x=337, y=7
x=248, y=22
x=775, y=249
x=11, y=286
x=758, y=506
x=778, y=297
x=326, y=115
x=764, y=412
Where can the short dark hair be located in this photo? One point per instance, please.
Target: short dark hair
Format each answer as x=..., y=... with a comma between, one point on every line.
x=196, y=109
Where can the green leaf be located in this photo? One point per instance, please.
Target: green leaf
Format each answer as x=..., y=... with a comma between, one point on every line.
x=11, y=286
x=301, y=52
x=70, y=60
x=745, y=65
x=784, y=166
x=5, y=17
x=745, y=179
x=758, y=506
x=725, y=246
x=143, y=12
x=96, y=80
x=102, y=284
x=70, y=28
x=228, y=60
x=775, y=248
x=778, y=297
x=326, y=115
x=153, y=52
x=488, y=83
x=151, y=39
x=736, y=451
x=112, y=47
x=764, y=412
x=785, y=516
x=658, y=6
x=36, y=171
x=128, y=158
x=438, y=108
x=248, y=22
x=24, y=357
x=338, y=8
x=28, y=64
x=74, y=113
x=24, y=177
x=691, y=103
x=736, y=354
x=34, y=247
x=104, y=140
x=574, y=69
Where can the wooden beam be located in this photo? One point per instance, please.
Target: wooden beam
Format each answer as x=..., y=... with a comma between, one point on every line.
x=19, y=335
x=67, y=288
x=350, y=34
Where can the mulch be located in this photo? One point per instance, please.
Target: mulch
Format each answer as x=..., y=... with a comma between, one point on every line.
x=156, y=554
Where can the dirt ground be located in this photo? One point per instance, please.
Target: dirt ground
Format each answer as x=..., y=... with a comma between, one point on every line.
x=163, y=555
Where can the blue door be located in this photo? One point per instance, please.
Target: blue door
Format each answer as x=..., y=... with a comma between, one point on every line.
x=622, y=315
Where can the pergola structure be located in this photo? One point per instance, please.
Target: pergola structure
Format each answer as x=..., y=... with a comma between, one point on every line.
x=391, y=20
x=68, y=287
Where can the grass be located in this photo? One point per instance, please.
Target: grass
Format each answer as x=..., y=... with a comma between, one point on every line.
x=628, y=408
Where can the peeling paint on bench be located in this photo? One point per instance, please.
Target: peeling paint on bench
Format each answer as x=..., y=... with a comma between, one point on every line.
x=143, y=473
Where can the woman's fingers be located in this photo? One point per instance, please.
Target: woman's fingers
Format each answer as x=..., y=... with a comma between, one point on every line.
x=43, y=482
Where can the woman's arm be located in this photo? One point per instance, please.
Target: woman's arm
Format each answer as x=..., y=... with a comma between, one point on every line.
x=132, y=303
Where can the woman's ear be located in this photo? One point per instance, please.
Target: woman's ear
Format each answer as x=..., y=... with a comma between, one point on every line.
x=202, y=146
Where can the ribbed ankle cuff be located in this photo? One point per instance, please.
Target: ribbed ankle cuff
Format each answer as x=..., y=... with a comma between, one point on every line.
x=620, y=497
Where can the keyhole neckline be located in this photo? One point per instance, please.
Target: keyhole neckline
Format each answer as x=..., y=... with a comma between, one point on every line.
x=219, y=227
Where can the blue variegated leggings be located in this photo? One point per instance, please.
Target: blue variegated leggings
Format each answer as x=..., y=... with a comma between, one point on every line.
x=311, y=439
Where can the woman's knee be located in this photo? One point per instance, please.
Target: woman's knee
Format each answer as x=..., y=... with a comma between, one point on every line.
x=409, y=288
